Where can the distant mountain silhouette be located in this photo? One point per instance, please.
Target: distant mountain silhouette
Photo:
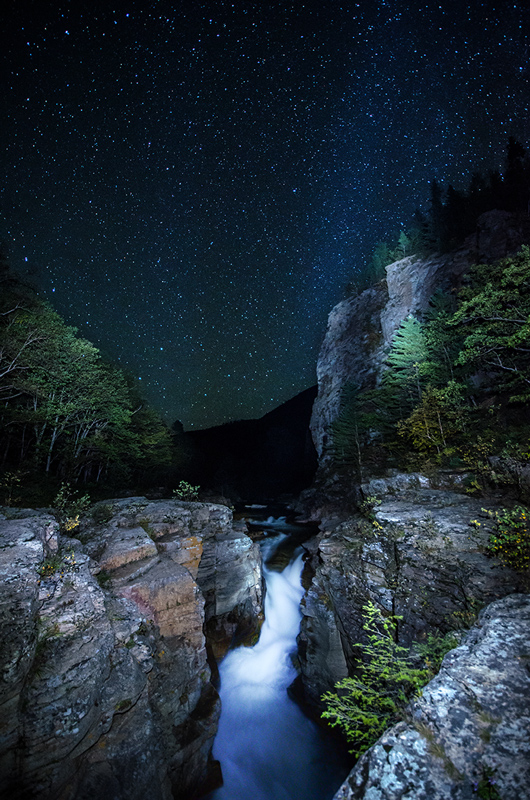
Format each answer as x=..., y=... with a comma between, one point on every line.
x=258, y=459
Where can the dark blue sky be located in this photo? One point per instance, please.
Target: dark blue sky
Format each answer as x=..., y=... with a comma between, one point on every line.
x=193, y=184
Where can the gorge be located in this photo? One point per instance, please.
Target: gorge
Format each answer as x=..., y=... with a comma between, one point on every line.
x=112, y=631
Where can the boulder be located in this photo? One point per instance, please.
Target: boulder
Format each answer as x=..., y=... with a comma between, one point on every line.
x=469, y=733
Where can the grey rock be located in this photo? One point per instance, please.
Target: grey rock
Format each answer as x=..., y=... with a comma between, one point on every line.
x=106, y=692
x=425, y=562
x=472, y=721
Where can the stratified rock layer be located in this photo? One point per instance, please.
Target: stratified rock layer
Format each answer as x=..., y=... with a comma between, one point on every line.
x=106, y=688
x=471, y=725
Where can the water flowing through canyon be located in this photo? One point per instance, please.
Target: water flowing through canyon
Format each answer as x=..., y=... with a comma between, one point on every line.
x=268, y=749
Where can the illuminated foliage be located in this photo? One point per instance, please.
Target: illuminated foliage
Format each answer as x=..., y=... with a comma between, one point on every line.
x=511, y=541
x=386, y=679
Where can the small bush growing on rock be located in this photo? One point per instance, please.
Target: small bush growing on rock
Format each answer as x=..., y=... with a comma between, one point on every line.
x=367, y=509
x=511, y=541
x=365, y=705
x=185, y=491
x=485, y=785
x=69, y=506
x=434, y=648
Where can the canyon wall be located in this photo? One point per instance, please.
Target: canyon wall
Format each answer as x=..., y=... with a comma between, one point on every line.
x=106, y=688
x=421, y=553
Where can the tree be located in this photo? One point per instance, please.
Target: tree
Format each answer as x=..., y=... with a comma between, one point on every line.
x=406, y=363
x=66, y=412
x=494, y=319
x=438, y=422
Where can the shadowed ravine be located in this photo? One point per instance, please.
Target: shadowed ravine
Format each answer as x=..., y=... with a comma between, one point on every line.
x=268, y=749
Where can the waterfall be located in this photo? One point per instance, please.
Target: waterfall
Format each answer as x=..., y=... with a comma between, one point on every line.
x=268, y=749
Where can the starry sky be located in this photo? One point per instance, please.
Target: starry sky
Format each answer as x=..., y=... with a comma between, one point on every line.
x=192, y=184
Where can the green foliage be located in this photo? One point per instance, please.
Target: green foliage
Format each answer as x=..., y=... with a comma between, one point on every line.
x=511, y=541
x=185, y=491
x=65, y=411
x=407, y=362
x=438, y=422
x=367, y=509
x=485, y=785
x=434, y=648
x=495, y=317
x=365, y=705
x=452, y=214
x=347, y=431
x=456, y=388
x=69, y=506
x=10, y=484
x=57, y=565
x=102, y=513
x=50, y=566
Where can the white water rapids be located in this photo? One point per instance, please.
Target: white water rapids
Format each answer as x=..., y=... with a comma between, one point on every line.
x=268, y=749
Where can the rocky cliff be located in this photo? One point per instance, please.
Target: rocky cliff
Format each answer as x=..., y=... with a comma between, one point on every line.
x=106, y=687
x=469, y=733
x=360, y=329
x=420, y=557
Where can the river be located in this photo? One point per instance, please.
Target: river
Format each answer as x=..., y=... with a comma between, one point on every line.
x=268, y=748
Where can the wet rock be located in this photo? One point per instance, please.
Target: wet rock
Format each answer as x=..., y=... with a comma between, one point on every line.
x=471, y=725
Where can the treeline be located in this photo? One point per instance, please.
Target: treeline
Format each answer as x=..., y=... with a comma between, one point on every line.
x=452, y=214
x=65, y=412
x=456, y=390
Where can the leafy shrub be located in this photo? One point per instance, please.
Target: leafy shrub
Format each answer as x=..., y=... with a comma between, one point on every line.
x=365, y=705
x=10, y=484
x=185, y=491
x=69, y=506
x=511, y=541
x=56, y=565
x=434, y=648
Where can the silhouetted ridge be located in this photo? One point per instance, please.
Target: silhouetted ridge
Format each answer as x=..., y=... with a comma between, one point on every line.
x=259, y=459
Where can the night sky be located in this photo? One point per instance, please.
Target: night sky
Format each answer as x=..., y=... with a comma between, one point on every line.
x=193, y=184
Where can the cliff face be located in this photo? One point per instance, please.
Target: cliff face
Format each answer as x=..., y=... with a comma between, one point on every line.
x=360, y=329
x=106, y=686
x=423, y=560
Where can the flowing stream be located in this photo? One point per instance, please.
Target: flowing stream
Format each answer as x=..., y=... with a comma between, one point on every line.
x=268, y=749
